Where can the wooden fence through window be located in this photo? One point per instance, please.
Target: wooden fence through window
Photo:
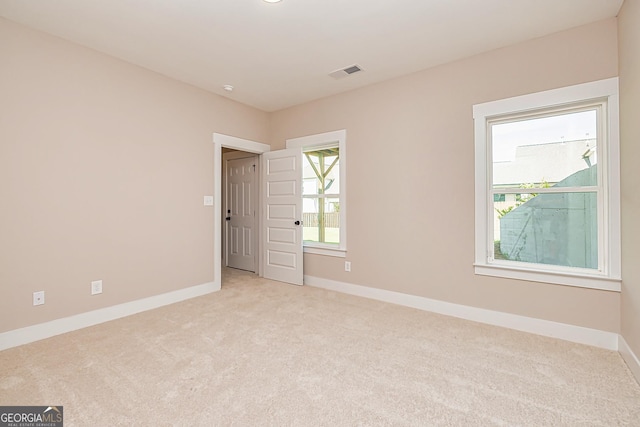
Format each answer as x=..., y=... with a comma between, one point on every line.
x=331, y=219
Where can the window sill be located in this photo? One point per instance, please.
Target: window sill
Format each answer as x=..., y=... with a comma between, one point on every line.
x=339, y=253
x=558, y=278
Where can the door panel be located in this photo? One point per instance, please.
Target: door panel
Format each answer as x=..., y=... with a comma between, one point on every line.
x=282, y=178
x=282, y=165
x=282, y=212
x=241, y=213
x=281, y=188
x=281, y=235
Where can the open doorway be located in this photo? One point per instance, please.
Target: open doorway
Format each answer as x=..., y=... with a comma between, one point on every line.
x=279, y=219
x=221, y=142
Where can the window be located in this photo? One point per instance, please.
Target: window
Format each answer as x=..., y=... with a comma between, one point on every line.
x=323, y=193
x=547, y=187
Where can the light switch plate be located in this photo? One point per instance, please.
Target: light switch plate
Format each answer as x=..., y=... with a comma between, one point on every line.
x=208, y=200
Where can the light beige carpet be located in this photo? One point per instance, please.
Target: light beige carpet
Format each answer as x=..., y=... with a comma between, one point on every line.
x=264, y=353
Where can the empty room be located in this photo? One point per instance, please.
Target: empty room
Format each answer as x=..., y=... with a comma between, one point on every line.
x=305, y=212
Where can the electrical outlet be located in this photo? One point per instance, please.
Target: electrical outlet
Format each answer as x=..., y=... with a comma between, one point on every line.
x=208, y=200
x=38, y=298
x=347, y=266
x=96, y=287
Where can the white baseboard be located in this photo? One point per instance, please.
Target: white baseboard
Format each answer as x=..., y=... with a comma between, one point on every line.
x=41, y=331
x=629, y=357
x=578, y=334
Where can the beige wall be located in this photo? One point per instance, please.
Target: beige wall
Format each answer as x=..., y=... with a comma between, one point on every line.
x=411, y=148
x=103, y=166
x=629, y=36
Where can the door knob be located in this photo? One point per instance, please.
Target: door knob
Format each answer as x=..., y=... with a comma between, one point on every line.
x=228, y=218
x=297, y=223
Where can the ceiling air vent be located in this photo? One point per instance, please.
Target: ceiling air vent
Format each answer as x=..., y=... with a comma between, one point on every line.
x=344, y=72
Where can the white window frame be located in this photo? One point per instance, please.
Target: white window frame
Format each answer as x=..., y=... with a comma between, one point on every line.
x=324, y=140
x=608, y=276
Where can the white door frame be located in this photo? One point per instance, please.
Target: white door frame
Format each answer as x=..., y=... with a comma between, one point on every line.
x=219, y=141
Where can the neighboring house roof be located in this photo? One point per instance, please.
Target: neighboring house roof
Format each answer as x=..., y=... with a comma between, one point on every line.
x=550, y=162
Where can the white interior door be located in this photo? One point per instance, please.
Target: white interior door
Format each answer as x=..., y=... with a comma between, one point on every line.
x=240, y=213
x=282, y=198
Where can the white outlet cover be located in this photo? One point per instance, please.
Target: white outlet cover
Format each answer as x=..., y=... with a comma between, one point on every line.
x=96, y=287
x=38, y=298
x=208, y=200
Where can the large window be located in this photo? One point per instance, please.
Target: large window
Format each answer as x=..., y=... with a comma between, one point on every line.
x=547, y=187
x=323, y=192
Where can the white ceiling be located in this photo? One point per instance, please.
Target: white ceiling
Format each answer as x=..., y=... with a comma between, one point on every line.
x=279, y=55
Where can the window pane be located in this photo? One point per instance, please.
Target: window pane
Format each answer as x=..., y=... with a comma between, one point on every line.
x=321, y=220
x=557, y=228
x=321, y=172
x=545, y=152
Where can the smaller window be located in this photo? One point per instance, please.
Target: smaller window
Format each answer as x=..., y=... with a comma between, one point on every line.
x=321, y=196
x=323, y=192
